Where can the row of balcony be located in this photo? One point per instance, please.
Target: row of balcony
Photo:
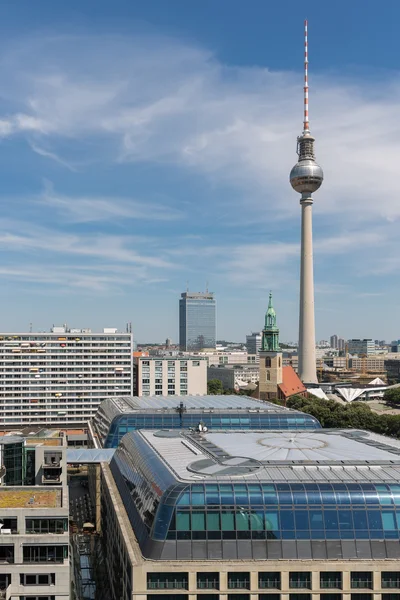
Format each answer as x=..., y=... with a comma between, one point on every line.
x=297, y=580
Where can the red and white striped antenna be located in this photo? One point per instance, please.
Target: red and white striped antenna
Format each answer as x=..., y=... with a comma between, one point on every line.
x=306, y=122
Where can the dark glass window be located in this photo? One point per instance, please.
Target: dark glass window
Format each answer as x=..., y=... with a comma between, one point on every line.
x=269, y=597
x=206, y=597
x=329, y=596
x=239, y=581
x=167, y=597
x=361, y=579
x=9, y=523
x=390, y=579
x=46, y=525
x=238, y=596
x=6, y=554
x=208, y=581
x=300, y=579
x=269, y=580
x=299, y=596
x=390, y=596
x=331, y=579
x=361, y=596
x=44, y=553
x=167, y=581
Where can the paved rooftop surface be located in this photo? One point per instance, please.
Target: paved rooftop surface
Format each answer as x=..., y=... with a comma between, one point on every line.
x=234, y=402
x=29, y=498
x=319, y=455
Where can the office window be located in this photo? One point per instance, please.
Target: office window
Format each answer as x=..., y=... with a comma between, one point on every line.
x=239, y=580
x=331, y=579
x=269, y=580
x=165, y=581
x=361, y=579
x=300, y=579
x=208, y=581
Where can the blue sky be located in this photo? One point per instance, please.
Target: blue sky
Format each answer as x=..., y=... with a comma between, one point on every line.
x=144, y=145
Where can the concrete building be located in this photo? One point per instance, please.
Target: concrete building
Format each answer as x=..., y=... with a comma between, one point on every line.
x=119, y=416
x=61, y=377
x=253, y=342
x=197, y=321
x=392, y=367
x=306, y=177
x=234, y=357
x=34, y=534
x=159, y=376
x=252, y=516
x=341, y=344
x=234, y=377
x=334, y=342
x=365, y=347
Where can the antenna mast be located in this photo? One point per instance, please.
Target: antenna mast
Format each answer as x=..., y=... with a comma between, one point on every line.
x=306, y=122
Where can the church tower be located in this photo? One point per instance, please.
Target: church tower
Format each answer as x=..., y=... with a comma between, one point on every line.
x=270, y=356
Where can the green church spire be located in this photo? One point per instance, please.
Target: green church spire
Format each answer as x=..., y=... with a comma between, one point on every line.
x=270, y=334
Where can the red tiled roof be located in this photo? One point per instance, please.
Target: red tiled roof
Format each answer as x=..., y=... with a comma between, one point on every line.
x=291, y=383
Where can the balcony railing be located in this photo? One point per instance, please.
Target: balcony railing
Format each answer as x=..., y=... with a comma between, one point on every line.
x=269, y=584
x=300, y=584
x=167, y=585
x=208, y=584
x=390, y=583
x=361, y=583
x=239, y=584
x=330, y=584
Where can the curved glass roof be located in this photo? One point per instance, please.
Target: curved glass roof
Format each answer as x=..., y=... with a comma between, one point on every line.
x=360, y=511
x=117, y=416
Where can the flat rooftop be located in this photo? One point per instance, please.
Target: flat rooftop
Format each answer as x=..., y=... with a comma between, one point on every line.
x=314, y=455
x=16, y=497
x=232, y=402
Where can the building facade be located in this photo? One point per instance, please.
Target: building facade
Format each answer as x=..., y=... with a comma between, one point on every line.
x=171, y=376
x=334, y=342
x=61, y=377
x=34, y=531
x=253, y=516
x=357, y=346
x=253, y=342
x=234, y=376
x=197, y=321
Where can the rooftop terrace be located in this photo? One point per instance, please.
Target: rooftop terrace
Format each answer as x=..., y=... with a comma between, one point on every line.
x=29, y=498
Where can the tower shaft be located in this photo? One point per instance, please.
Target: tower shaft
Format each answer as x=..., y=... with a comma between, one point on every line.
x=307, y=359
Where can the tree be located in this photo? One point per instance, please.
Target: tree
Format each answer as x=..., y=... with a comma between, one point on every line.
x=392, y=396
x=214, y=387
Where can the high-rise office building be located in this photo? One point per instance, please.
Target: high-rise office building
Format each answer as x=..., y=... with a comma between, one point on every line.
x=334, y=341
x=253, y=342
x=341, y=344
x=61, y=377
x=197, y=320
x=361, y=347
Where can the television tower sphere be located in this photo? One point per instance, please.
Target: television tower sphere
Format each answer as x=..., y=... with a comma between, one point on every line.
x=306, y=176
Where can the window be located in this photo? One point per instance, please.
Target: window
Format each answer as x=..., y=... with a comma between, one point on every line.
x=330, y=596
x=361, y=596
x=44, y=553
x=268, y=362
x=269, y=580
x=390, y=579
x=45, y=579
x=208, y=581
x=330, y=579
x=269, y=597
x=196, y=363
x=361, y=579
x=46, y=525
x=300, y=579
x=207, y=596
x=390, y=596
x=167, y=581
x=299, y=596
x=37, y=597
x=9, y=523
x=6, y=554
x=238, y=596
x=268, y=376
x=239, y=581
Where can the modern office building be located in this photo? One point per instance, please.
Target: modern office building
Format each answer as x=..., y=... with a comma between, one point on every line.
x=253, y=342
x=61, y=377
x=118, y=416
x=234, y=376
x=392, y=367
x=365, y=347
x=334, y=342
x=169, y=376
x=197, y=321
x=249, y=515
x=34, y=511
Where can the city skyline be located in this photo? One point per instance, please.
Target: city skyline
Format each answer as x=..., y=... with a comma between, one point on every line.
x=146, y=147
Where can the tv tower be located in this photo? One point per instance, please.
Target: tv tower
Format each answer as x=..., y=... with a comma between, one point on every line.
x=306, y=177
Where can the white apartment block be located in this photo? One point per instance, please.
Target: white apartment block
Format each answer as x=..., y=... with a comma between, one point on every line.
x=156, y=376
x=61, y=377
x=237, y=357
